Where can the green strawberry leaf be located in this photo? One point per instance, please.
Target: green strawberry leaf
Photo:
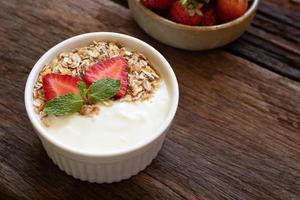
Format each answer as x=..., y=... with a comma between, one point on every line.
x=183, y=2
x=64, y=105
x=103, y=90
x=193, y=2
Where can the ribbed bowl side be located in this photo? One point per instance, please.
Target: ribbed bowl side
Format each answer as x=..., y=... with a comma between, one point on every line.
x=105, y=172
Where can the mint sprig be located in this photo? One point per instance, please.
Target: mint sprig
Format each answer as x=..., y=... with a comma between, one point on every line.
x=82, y=87
x=64, y=105
x=67, y=104
x=103, y=90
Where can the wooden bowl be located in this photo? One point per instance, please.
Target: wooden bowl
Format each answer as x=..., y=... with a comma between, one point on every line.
x=190, y=37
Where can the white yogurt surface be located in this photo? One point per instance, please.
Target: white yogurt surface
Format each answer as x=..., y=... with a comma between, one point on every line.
x=116, y=127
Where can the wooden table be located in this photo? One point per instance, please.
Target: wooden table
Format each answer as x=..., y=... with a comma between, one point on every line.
x=236, y=134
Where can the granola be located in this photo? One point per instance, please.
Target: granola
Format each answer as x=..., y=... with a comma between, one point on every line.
x=143, y=79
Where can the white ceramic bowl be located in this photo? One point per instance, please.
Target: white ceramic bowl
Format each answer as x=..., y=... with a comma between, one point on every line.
x=110, y=166
x=190, y=37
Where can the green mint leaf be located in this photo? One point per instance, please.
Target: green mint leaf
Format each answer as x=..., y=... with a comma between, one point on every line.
x=103, y=90
x=82, y=87
x=64, y=105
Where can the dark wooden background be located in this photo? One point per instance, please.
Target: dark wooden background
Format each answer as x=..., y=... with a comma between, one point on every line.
x=236, y=134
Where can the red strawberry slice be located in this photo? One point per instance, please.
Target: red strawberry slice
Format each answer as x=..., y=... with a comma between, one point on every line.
x=57, y=85
x=114, y=68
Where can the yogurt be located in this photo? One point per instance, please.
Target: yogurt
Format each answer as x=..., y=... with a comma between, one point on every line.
x=116, y=127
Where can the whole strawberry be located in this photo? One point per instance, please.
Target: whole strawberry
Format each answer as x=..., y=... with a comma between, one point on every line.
x=186, y=12
x=158, y=4
x=229, y=10
x=209, y=16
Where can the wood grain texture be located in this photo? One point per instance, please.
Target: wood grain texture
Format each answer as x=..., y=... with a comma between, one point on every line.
x=236, y=134
x=273, y=40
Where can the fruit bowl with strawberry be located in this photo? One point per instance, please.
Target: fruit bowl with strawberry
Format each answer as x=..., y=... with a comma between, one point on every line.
x=194, y=24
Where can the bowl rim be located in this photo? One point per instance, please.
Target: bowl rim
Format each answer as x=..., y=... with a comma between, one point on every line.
x=168, y=22
x=28, y=97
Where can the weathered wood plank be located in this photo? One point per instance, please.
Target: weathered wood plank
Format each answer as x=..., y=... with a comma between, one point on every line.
x=273, y=40
x=235, y=136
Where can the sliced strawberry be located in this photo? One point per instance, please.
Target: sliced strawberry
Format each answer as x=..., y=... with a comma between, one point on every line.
x=114, y=68
x=57, y=85
x=158, y=4
x=188, y=13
